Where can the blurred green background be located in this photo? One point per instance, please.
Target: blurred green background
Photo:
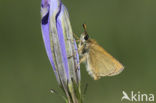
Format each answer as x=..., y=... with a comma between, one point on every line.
x=125, y=28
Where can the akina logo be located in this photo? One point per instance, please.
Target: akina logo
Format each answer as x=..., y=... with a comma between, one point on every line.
x=137, y=97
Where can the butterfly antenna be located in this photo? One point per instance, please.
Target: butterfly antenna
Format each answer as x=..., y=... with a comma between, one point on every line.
x=85, y=29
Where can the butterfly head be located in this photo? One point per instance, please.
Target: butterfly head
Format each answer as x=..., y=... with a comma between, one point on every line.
x=84, y=36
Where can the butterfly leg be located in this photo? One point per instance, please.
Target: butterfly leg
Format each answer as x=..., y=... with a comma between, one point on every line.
x=80, y=49
x=70, y=56
x=76, y=37
x=73, y=55
x=81, y=60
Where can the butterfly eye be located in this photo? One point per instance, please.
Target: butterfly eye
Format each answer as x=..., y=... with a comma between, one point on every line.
x=86, y=37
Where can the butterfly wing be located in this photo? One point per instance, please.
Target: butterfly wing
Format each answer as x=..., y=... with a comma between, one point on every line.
x=101, y=63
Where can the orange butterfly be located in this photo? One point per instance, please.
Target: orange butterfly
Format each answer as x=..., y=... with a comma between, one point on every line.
x=98, y=62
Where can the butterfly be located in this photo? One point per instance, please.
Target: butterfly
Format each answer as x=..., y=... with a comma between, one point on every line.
x=98, y=61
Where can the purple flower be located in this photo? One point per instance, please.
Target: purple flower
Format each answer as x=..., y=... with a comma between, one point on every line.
x=60, y=44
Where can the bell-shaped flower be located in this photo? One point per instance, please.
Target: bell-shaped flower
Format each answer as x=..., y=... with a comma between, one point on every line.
x=61, y=48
